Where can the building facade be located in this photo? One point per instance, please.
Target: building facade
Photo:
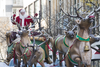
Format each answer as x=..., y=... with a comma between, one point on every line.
x=7, y=7
x=51, y=11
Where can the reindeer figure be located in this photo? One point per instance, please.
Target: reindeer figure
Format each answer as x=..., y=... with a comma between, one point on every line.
x=92, y=37
x=25, y=52
x=80, y=52
x=10, y=37
x=62, y=43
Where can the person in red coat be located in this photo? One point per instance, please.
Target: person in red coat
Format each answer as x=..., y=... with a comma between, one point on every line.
x=23, y=20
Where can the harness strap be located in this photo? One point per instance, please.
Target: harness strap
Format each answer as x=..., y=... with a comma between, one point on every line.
x=57, y=40
x=22, y=45
x=30, y=53
x=25, y=51
x=72, y=60
x=68, y=53
x=65, y=42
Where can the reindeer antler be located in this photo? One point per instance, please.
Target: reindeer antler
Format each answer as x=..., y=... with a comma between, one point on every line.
x=18, y=25
x=93, y=12
x=92, y=3
x=74, y=28
x=75, y=16
x=93, y=28
x=77, y=12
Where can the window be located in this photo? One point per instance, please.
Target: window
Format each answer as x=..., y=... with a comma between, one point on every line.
x=17, y=1
x=14, y=11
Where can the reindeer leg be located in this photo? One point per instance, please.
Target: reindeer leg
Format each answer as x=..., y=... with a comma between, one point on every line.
x=82, y=65
x=30, y=66
x=34, y=65
x=42, y=64
x=64, y=57
x=68, y=63
x=16, y=62
x=29, y=62
x=19, y=60
x=24, y=62
x=79, y=61
x=60, y=58
x=54, y=54
x=48, y=58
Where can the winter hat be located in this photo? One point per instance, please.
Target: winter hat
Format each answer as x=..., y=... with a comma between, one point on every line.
x=22, y=10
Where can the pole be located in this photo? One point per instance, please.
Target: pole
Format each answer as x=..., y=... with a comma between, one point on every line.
x=40, y=15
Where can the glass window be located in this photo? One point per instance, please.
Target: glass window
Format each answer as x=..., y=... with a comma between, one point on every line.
x=17, y=1
x=14, y=11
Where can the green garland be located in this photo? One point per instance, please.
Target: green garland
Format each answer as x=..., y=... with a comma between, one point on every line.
x=82, y=39
x=65, y=43
x=57, y=40
x=22, y=45
x=72, y=60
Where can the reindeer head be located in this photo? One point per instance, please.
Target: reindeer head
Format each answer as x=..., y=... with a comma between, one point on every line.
x=71, y=34
x=84, y=22
x=23, y=33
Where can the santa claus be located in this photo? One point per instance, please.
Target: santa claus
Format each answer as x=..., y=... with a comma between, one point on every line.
x=23, y=19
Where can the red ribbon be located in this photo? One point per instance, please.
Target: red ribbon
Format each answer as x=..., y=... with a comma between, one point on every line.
x=51, y=49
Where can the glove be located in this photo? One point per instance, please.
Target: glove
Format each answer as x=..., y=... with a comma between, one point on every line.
x=14, y=16
x=35, y=15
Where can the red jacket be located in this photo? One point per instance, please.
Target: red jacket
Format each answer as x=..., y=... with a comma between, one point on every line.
x=26, y=21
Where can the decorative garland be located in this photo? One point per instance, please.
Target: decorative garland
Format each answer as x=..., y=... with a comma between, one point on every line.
x=22, y=45
x=57, y=40
x=82, y=39
x=72, y=60
x=25, y=53
x=65, y=43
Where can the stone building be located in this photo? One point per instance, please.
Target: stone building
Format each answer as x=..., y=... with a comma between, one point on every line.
x=7, y=7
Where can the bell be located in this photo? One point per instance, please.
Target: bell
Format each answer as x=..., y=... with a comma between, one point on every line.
x=86, y=48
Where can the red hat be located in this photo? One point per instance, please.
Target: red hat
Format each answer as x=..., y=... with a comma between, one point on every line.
x=20, y=10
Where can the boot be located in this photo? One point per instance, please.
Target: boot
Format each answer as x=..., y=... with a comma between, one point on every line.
x=48, y=58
